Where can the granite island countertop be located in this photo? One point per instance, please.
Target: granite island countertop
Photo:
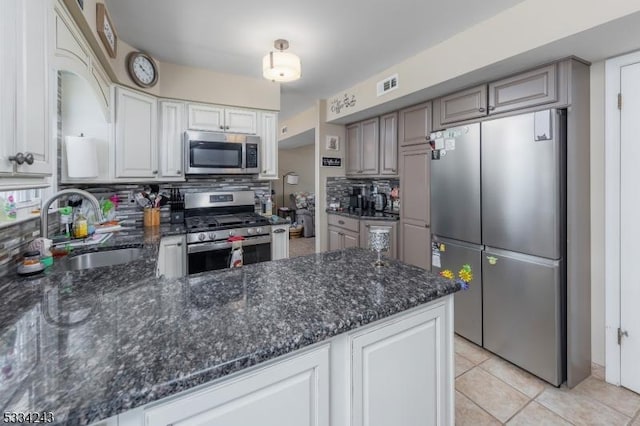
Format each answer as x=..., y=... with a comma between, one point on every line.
x=382, y=216
x=88, y=345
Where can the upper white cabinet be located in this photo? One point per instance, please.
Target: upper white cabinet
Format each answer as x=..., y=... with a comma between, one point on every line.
x=24, y=88
x=219, y=119
x=269, y=145
x=136, y=136
x=172, y=128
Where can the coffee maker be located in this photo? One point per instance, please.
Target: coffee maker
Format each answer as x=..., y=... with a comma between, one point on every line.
x=359, y=200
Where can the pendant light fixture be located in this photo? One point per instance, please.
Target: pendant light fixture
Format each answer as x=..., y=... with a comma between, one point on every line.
x=281, y=66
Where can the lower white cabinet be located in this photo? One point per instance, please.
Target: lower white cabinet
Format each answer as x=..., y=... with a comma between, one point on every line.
x=172, y=257
x=279, y=242
x=292, y=392
x=398, y=370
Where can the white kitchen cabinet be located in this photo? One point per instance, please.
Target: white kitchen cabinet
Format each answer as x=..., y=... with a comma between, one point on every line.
x=269, y=145
x=172, y=128
x=136, y=138
x=240, y=121
x=172, y=257
x=219, y=119
x=24, y=88
x=399, y=372
x=279, y=242
x=291, y=392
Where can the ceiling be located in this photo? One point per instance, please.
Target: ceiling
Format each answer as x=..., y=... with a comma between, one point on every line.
x=339, y=42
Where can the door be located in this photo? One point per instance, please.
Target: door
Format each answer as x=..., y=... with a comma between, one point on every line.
x=537, y=87
x=353, y=150
x=32, y=113
x=455, y=185
x=629, y=226
x=172, y=128
x=389, y=144
x=523, y=318
x=453, y=255
x=370, y=147
x=269, y=145
x=205, y=117
x=414, y=125
x=415, y=234
x=293, y=392
x=136, y=135
x=240, y=121
x=397, y=372
x=522, y=183
x=464, y=105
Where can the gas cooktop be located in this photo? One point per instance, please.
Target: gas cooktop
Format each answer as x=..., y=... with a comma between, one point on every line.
x=225, y=221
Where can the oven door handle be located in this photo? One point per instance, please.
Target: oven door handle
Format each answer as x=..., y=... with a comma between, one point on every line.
x=221, y=245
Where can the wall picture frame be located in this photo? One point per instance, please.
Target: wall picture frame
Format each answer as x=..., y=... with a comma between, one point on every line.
x=106, y=30
x=332, y=143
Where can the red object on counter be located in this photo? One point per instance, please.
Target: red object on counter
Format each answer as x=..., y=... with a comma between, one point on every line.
x=236, y=238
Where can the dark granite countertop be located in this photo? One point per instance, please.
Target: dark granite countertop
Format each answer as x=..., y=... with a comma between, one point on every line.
x=91, y=344
x=366, y=216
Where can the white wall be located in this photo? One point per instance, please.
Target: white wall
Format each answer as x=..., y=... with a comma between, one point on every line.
x=301, y=161
x=597, y=213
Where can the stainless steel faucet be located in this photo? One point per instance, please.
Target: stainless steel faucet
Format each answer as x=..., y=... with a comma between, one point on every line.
x=44, y=211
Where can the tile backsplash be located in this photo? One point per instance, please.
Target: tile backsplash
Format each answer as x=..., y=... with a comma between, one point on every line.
x=14, y=240
x=339, y=188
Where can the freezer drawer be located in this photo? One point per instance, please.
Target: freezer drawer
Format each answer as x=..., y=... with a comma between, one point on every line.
x=455, y=185
x=523, y=318
x=523, y=183
x=452, y=255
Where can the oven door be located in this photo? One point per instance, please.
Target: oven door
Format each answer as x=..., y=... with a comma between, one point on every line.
x=212, y=256
x=209, y=157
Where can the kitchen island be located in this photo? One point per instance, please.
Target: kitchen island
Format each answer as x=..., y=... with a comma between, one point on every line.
x=120, y=345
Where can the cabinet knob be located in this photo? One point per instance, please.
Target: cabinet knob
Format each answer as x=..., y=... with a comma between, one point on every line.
x=393, y=170
x=264, y=171
x=341, y=222
x=491, y=107
x=155, y=172
x=179, y=244
x=227, y=127
x=221, y=127
x=19, y=158
x=179, y=171
x=481, y=110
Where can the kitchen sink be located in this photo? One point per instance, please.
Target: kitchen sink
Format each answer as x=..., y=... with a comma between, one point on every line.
x=103, y=258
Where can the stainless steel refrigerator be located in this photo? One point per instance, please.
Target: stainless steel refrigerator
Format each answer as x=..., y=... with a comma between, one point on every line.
x=515, y=189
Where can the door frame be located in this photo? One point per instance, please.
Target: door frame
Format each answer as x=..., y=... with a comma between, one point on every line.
x=612, y=266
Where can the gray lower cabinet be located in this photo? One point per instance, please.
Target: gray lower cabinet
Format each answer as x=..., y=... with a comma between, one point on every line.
x=362, y=147
x=415, y=234
x=340, y=238
x=537, y=87
x=414, y=124
x=460, y=106
x=389, y=144
x=393, y=235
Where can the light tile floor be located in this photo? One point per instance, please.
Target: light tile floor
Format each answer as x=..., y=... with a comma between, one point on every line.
x=301, y=246
x=491, y=391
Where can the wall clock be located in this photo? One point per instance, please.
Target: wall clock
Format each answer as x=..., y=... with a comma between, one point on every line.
x=106, y=30
x=142, y=69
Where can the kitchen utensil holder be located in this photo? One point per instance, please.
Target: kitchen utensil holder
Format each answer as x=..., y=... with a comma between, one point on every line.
x=152, y=216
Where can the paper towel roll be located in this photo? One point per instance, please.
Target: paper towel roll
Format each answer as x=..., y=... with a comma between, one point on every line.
x=82, y=157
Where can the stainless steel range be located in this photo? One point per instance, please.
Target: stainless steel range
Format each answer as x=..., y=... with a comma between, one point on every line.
x=211, y=218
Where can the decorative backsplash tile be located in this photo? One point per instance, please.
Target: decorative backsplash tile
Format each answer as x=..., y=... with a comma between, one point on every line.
x=339, y=188
x=14, y=240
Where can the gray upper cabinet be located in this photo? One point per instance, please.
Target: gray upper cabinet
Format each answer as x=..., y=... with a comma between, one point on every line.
x=363, y=148
x=389, y=144
x=460, y=106
x=414, y=124
x=524, y=90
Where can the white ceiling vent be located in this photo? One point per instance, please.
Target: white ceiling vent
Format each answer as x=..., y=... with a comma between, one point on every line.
x=387, y=85
x=284, y=130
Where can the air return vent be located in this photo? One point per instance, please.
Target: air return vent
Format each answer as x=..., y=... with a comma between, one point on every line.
x=387, y=85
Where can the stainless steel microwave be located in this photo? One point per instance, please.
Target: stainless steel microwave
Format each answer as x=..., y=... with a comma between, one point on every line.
x=210, y=153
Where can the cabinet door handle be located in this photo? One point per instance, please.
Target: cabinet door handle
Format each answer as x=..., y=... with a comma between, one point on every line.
x=179, y=244
x=18, y=158
x=394, y=170
x=279, y=231
x=341, y=222
x=227, y=127
x=481, y=110
x=221, y=127
x=491, y=107
x=178, y=171
x=155, y=172
x=264, y=171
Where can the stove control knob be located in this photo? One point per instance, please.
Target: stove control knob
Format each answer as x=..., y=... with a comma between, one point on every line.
x=251, y=231
x=212, y=236
x=259, y=230
x=232, y=233
x=201, y=236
